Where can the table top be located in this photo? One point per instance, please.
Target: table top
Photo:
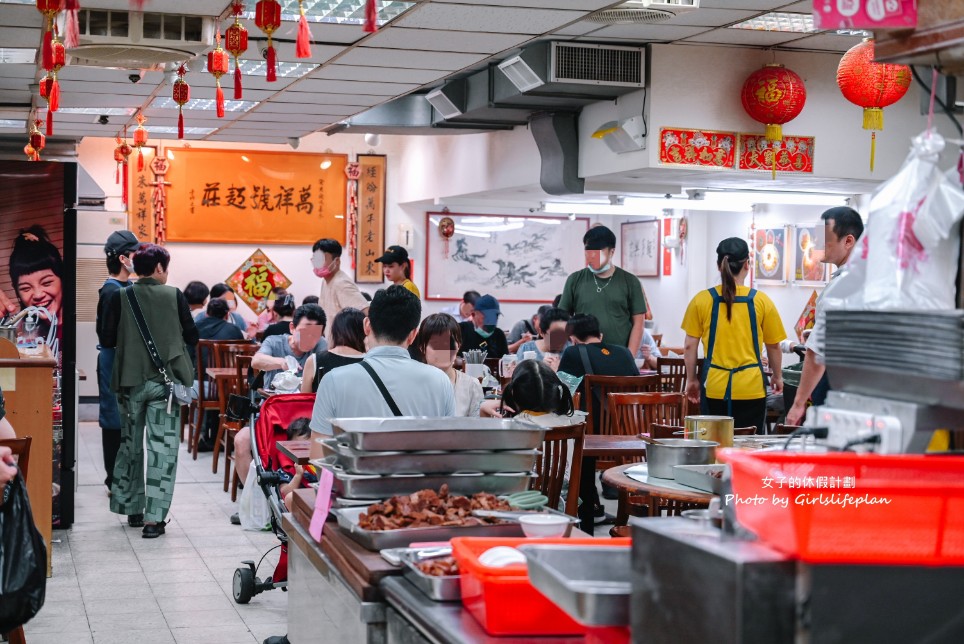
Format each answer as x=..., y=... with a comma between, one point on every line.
x=600, y=445
x=221, y=372
x=297, y=451
x=616, y=477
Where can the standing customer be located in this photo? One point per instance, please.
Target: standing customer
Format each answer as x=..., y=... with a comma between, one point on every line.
x=842, y=228
x=338, y=291
x=142, y=392
x=732, y=321
x=397, y=268
x=119, y=248
x=613, y=295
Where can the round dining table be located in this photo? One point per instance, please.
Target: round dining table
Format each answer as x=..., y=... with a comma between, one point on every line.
x=627, y=486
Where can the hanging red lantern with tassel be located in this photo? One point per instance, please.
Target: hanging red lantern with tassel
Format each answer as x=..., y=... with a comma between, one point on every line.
x=121, y=152
x=140, y=140
x=30, y=152
x=71, y=25
x=872, y=86
x=218, y=65
x=267, y=16
x=303, y=41
x=774, y=95
x=49, y=84
x=371, y=17
x=37, y=139
x=181, y=92
x=236, y=42
x=49, y=9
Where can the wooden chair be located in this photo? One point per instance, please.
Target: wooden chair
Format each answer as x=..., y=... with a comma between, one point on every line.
x=658, y=338
x=744, y=431
x=783, y=430
x=551, y=467
x=21, y=449
x=635, y=414
x=226, y=357
x=206, y=358
x=669, y=504
x=595, y=392
x=672, y=371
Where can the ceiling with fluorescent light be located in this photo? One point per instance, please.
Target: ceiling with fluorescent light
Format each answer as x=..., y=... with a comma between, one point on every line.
x=422, y=43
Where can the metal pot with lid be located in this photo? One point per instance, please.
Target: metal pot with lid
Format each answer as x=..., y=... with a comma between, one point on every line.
x=662, y=455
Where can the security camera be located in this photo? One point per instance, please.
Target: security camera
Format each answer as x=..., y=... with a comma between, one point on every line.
x=264, y=53
x=134, y=78
x=103, y=120
x=532, y=209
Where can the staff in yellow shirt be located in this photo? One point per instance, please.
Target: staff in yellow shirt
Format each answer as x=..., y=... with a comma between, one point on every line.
x=731, y=320
x=396, y=267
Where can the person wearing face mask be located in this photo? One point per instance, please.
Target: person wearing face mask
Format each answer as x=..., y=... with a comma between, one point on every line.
x=226, y=293
x=606, y=291
x=483, y=332
x=438, y=340
x=338, y=291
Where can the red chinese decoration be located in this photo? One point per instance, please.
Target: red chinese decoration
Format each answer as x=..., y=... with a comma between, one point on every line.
x=218, y=64
x=371, y=17
x=181, y=93
x=700, y=148
x=140, y=140
x=773, y=96
x=267, y=15
x=302, y=43
x=37, y=139
x=121, y=153
x=30, y=152
x=71, y=26
x=49, y=87
x=446, y=228
x=793, y=153
x=236, y=42
x=49, y=9
x=872, y=86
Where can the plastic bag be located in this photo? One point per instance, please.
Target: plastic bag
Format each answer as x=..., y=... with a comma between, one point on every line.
x=23, y=560
x=253, y=509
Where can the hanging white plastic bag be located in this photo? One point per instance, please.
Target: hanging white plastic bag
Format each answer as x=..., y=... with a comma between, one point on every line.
x=253, y=509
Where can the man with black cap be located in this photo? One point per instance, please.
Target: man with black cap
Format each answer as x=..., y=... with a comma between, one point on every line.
x=606, y=291
x=842, y=228
x=119, y=248
x=483, y=331
x=397, y=268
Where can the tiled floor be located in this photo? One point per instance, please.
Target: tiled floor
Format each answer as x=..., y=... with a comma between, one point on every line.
x=111, y=586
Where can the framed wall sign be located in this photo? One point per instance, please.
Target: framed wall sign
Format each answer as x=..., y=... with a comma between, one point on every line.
x=640, y=248
x=517, y=259
x=370, y=240
x=807, y=241
x=769, y=249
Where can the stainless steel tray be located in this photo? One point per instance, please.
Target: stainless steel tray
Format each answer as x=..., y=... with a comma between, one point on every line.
x=373, y=486
x=381, y=539
x=429, y=462
x=410, y=434
x=698, y=476
x=441, y=589
x=590, y=583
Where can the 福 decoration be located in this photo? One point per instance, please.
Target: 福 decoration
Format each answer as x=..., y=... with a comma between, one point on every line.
x=140, y=140
x=352, y=173
x=267, y=16
x=700, y=148
x=371, y=217
x=792, y=154
x=446, y=228
x=254, y=279
x=872, y=86
x=218, y=65
x=181, y=93
x=774, y=96
x=159, y=167
x=236, y=43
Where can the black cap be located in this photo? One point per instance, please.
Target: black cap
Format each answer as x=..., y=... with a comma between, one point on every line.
x=598, y=238
x=121, y=242
x=394, y=255
x=734, y=248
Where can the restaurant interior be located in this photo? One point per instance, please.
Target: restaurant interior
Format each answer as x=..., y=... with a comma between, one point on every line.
x=486, y=141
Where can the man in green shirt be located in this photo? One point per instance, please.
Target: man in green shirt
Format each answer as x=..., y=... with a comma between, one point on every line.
x=606, y=291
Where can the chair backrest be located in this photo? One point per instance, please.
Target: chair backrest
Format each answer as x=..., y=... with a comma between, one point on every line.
x=660, y=430
x=672, y=371
x=658, y=338
x=783, y=430
x=663, y=504
x=21, y=449
x=551, y=465
x=633, y=414
x=744, y=431
x=227, y=351
x=596, y=390
x=243, y=365
x=204, y=358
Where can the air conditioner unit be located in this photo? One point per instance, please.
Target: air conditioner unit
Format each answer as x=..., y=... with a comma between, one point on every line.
x=448, y=100
x=645, y=12
x=139, y=40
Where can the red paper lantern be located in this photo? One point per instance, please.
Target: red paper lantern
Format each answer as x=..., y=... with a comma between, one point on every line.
x=140, y=140
x=218, y=64
x=236, y=42
x=37, y=139
x=872, y=86
x=267, y=16
x=181, y=93
x=774, y=95
x=50, y=88
x=49, y=9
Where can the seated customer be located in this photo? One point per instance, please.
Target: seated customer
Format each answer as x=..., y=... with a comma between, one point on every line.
x=226, y=293
x=196, y=293
x=283, y=310
x=648, y=351
x=535, y=394
x=438, y=340
x=589, y=355
x=525, y=330
x=301, y=342
x=554, y=338
x=387, y=382
x=347, y=347
x=483, y=332
x=296, y=475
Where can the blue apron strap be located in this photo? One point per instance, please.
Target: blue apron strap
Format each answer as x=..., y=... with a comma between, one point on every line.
x=708, y=358
x=708, y=361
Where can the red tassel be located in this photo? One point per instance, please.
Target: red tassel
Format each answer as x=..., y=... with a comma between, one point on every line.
x=237, y=80
x=371, y=17
x=302, y=46
x=71, y=27
x=50, y=121
x=137, y=5
x=48, y=50
x=124, y=192
x=71, y=5
x=140, y=160
x=272, y=64
x=180, y=124
x=54, y=98
x=117, y=174
x=219, y=99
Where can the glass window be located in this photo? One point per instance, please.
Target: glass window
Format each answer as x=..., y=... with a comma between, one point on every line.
x=119, y=24
x=172, y=27
x=97, y=23
x=192, y=28
x=152, y=25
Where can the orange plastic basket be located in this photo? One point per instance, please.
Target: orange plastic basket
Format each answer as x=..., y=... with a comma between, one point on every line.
x=503, y=600
x=852, y=508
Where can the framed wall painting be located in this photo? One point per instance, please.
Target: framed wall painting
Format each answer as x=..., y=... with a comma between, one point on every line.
x=808, y=252
x=769, y=248
x=640, y=248
x=516, y=259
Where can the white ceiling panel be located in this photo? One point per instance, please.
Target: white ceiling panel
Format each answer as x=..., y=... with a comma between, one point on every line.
x=434, y=39
x=131, y=89
x=799, y=7
x=375, y=57
x=579, y=5
x=351, y=87
x=710, y=17
x=19, y=71
x=758, y=5
x=77, y=99
x=825, y=42
x=646, y=33
x=86, y=74
x=290, y=109
x=502, y=20
x=286, y=52
x=387, y=74
x=20, y=37
x=744, y=36
x=362, y=100
x=580, y=28
x=191, y=7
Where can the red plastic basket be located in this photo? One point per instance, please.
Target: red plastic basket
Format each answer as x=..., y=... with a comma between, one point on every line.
x=503, y=600
x=850, y=508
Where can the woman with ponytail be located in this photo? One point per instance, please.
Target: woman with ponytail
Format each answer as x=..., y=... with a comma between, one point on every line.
x=732, y=321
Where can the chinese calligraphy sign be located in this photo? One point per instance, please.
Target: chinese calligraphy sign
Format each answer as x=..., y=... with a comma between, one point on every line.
x=794, y=153
x=641, y=247
x=370, y=239
x=254, y=279
x=144, y=198
x=700, y=148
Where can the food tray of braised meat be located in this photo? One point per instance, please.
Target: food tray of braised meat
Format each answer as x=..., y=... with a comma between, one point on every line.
x=437, y=577
x=426, y=515
x=411, y=434
x=427, y=462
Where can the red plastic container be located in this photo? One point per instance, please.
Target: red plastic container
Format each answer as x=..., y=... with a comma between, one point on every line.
x=850, y=508
x=503, y=600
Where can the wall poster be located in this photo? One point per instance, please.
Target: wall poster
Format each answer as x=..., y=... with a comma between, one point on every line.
x=769, y=248
x=517, y=259
x=370, y=240
x=640, y=248
x=808, y=253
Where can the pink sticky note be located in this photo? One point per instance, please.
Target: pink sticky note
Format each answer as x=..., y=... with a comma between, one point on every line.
x=322, y=504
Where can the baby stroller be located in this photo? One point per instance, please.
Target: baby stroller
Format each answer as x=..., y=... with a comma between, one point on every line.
x=275, y=415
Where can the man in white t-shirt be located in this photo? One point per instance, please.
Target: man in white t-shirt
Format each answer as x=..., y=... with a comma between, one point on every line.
x=338, y=291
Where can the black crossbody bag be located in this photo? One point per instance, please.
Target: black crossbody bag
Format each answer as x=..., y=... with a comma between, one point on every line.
x=183, y=394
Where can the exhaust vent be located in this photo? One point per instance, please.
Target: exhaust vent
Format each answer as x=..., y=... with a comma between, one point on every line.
x=519, y=74
x=643, y=12
x=448, y=100
x=597, y=64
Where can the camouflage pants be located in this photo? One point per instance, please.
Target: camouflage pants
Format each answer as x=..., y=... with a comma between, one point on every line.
x=145, y=406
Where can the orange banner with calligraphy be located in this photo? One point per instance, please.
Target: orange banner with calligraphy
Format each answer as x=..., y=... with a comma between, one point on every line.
x=253, y=280
x=697, y=148
x=140, y=209
x=247, y=196
x=794, y=153
x=370, y=241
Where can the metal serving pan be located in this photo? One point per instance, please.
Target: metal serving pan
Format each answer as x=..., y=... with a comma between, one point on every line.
x=698, y=476
x=404, y=537
x=435, y=462
x=374, y=486
x=591, y=583
x=440, y=589
x=411, y=434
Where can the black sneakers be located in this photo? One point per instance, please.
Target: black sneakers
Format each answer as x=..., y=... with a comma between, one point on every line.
x=135, y=520
x=153, y=530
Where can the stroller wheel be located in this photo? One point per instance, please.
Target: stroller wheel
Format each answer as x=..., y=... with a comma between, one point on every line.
x=244, y=585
